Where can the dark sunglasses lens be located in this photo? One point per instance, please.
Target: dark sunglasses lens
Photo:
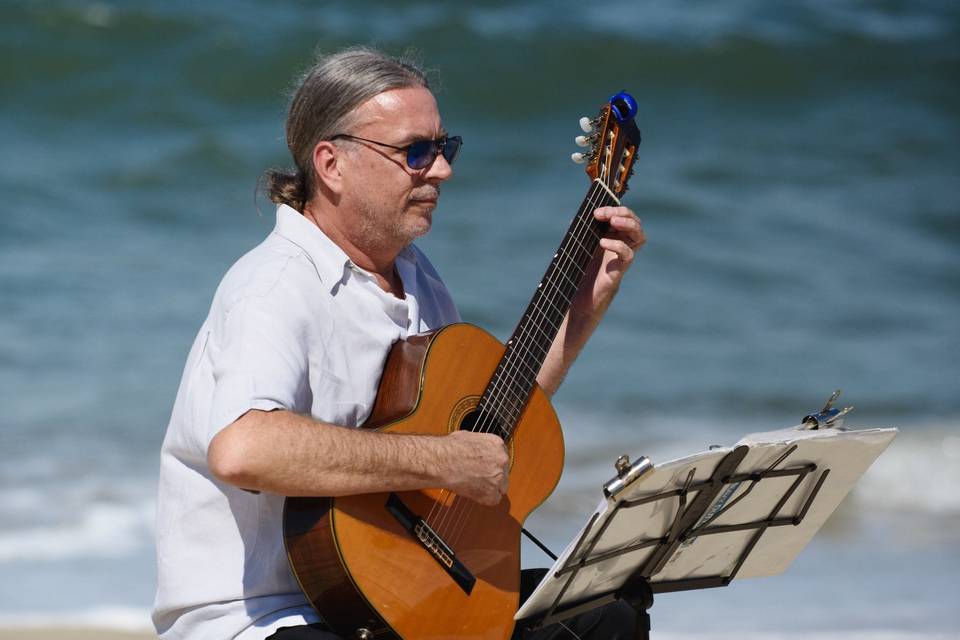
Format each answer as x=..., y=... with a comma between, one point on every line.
x=421, y=154
x=451, y=147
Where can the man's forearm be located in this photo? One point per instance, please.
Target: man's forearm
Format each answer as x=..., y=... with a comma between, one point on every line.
x=293, y=455
x=567, y=345
x=595, y=293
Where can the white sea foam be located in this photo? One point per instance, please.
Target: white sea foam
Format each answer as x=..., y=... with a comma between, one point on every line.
x=919, y=473
x=96, y=530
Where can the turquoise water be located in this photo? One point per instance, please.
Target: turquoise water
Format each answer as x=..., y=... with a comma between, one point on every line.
x=797, y=181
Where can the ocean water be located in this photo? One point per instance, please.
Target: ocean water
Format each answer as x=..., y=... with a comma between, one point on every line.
x=798, y=182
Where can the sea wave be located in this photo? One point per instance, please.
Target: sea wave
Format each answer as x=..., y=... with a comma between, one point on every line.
x=95, y=530
x=918, y=474
x=699, y=20
x=234, y=56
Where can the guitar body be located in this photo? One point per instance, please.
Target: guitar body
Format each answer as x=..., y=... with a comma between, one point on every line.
x=362, y=568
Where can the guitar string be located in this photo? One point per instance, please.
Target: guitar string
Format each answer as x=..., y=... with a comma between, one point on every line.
x=573, y=253
x=563, y=254
x=543, y=305
x=583, y=218
x=584, y=223
x=544, y=300
x=504, y=381
x=517, y=404
x=512, y=405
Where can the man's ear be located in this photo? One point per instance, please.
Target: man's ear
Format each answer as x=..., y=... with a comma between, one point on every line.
x=326, y=157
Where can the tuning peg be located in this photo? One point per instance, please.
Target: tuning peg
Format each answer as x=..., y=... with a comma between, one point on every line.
x=581, y=141
x=579, y=158
x=586, y=124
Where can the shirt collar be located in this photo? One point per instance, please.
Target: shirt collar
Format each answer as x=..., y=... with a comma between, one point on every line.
x=327, y=257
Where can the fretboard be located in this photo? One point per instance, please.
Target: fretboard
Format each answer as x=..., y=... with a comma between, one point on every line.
x=515, y=376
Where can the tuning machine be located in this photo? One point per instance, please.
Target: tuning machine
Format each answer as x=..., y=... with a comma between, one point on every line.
x=588, y=127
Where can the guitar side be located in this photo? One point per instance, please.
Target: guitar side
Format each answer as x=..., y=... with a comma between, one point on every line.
x=357, y=563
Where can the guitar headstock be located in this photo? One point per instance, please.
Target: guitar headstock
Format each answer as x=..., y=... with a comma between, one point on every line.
x=613, y=137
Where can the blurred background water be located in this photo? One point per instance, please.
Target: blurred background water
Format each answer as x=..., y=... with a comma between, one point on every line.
x=798, y=182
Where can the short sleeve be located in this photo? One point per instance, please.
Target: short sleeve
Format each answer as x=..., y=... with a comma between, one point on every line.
x=261, y=362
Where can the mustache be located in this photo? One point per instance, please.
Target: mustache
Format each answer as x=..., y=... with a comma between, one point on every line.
x=425, y=193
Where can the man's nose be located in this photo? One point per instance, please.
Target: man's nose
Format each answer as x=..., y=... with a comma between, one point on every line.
x=440, y=170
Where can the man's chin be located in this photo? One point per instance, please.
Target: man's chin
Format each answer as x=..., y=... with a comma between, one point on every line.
x=417, y=226
x=423, y=227
x=422, y=216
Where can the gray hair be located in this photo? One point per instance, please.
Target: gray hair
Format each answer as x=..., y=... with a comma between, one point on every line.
x=324, y=105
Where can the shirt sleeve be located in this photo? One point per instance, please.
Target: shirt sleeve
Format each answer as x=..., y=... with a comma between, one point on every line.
x=261, y=362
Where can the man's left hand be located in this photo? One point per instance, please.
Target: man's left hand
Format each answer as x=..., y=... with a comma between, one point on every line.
x=620, y=243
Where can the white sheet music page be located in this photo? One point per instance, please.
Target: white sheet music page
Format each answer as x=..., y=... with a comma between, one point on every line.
x=845, y=455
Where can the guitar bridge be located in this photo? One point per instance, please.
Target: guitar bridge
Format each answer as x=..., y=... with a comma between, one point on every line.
x=430, y=540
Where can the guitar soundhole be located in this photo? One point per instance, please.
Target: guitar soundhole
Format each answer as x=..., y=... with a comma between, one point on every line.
x=483, y=422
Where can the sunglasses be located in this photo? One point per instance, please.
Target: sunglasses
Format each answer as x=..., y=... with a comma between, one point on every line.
x=422, y=153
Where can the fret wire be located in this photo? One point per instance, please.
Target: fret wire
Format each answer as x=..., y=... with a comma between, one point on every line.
x=541, y=339
x=574, y=260
x=520, y=343
x=539, y=346
x=567, y=277
x=549, y=294
x=507, y=372
x=510, y=368
x=581, y=246
x=517, y=346
x=550, y=305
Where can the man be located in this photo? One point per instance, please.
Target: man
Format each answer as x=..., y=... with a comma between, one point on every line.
x=291, y=354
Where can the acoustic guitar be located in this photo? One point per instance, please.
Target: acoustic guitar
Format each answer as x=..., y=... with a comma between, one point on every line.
x=431, y=565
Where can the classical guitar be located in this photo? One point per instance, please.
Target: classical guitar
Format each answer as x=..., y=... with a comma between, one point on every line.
x=431, y=565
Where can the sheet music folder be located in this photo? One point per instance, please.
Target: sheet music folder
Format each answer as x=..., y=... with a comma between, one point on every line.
x=702, y=520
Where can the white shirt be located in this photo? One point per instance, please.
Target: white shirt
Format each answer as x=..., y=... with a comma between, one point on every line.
x=294, y=325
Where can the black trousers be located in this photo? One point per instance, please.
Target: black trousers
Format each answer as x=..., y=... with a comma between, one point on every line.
x=617, y=621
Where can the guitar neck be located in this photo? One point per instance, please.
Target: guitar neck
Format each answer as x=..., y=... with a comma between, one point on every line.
x=515, y=376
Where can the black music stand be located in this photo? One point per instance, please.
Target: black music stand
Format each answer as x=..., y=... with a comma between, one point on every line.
x=696, y=505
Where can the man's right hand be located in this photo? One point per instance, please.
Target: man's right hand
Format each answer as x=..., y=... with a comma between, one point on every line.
x=478, y=466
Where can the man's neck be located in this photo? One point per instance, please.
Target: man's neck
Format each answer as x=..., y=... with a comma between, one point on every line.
x=380, y=262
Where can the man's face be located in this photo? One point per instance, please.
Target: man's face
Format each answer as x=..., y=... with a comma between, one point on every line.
x=388, y=203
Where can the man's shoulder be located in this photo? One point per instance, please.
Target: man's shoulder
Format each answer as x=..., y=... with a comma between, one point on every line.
x=275, y=268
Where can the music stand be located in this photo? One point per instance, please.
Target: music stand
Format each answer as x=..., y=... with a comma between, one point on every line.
x=700, y=521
